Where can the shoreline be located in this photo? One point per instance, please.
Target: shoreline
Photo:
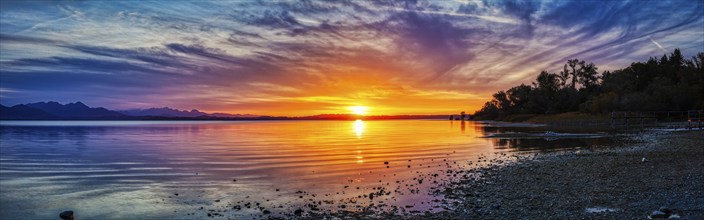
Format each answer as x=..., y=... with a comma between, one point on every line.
x=608, y=182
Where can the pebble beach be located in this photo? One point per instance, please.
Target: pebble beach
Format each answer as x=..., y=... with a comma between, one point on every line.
x=651, y=175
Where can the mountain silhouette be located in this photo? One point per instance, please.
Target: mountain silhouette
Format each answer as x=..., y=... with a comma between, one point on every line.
x=228, y=115
x=171, y=112
x=78, y=110
x=75, y=110
x=23, y=112
x=163, y=112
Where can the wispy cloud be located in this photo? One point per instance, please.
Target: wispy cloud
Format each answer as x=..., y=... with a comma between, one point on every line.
x=657, y=44
x=497, y=19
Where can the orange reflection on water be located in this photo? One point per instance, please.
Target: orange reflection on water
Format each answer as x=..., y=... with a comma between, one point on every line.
x=358, y=128
x=319, y=157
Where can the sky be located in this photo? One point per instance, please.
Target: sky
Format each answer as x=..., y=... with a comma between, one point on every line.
x=296, y=58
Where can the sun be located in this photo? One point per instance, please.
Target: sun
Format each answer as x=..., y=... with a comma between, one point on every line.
x=359, y=110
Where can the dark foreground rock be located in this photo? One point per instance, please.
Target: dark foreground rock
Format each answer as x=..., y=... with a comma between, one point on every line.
x=66, y=215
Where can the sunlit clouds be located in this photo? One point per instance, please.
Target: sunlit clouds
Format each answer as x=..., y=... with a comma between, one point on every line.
x=317, y=57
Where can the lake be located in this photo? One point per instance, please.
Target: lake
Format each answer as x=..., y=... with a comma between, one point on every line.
x=237, y=169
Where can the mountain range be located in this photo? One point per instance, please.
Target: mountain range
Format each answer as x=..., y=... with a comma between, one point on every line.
x=170, y=112
x=80, y=111
x=165, y=112
x=55, y=110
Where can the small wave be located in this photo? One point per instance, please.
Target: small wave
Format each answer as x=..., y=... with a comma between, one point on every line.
x=547, y=134
x=600, y=210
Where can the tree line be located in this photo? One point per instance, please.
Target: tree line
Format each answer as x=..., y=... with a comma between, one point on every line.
x=671, y=83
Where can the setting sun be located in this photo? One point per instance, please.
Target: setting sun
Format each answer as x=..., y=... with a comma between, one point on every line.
x=359, y=110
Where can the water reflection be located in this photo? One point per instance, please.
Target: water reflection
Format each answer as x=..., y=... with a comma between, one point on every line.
x=358, y=126
x=549, y=145
x=463, y=125
x=103, y=170
x=541, y=144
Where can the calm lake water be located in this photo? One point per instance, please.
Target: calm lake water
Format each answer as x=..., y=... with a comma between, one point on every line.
x=182, y=169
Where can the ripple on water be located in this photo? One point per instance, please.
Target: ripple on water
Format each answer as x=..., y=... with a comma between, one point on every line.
x=140, y=167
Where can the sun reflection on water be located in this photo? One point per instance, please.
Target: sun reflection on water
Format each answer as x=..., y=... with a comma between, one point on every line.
x=359, y=128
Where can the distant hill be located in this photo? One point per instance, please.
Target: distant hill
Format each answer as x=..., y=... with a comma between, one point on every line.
x=76, y=110
x=227, y=115
x=170, y=112
x=23, y=112
x=163, y=112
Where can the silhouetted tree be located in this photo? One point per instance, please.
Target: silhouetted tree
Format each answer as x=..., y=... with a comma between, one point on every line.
x=518, y=97
x=588, y=76
x=501, y=100
x=669, y=83
x=549, y=82
x=574, y=73
x=676, y=59
x=696, y=63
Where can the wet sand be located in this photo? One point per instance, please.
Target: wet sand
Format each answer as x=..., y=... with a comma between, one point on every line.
x=613, y=182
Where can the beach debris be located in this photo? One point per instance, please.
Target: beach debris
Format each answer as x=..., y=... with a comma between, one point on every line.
x=644, y=160
x=548, y=135
x=663, y=213
x=600, y=210
x=657, y=214
x=66, y=215
x=386, y=162
x=298, y=212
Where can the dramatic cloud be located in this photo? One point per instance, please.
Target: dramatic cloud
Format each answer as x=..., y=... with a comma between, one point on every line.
x=310, y=57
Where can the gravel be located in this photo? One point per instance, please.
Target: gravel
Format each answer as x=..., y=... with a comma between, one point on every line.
x=612, y=183
x=644, y=174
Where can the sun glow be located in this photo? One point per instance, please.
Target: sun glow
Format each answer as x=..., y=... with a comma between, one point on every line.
x=359, y=110
x=358, y=128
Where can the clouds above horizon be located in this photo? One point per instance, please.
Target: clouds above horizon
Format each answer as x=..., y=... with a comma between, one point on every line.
x=307, y=57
